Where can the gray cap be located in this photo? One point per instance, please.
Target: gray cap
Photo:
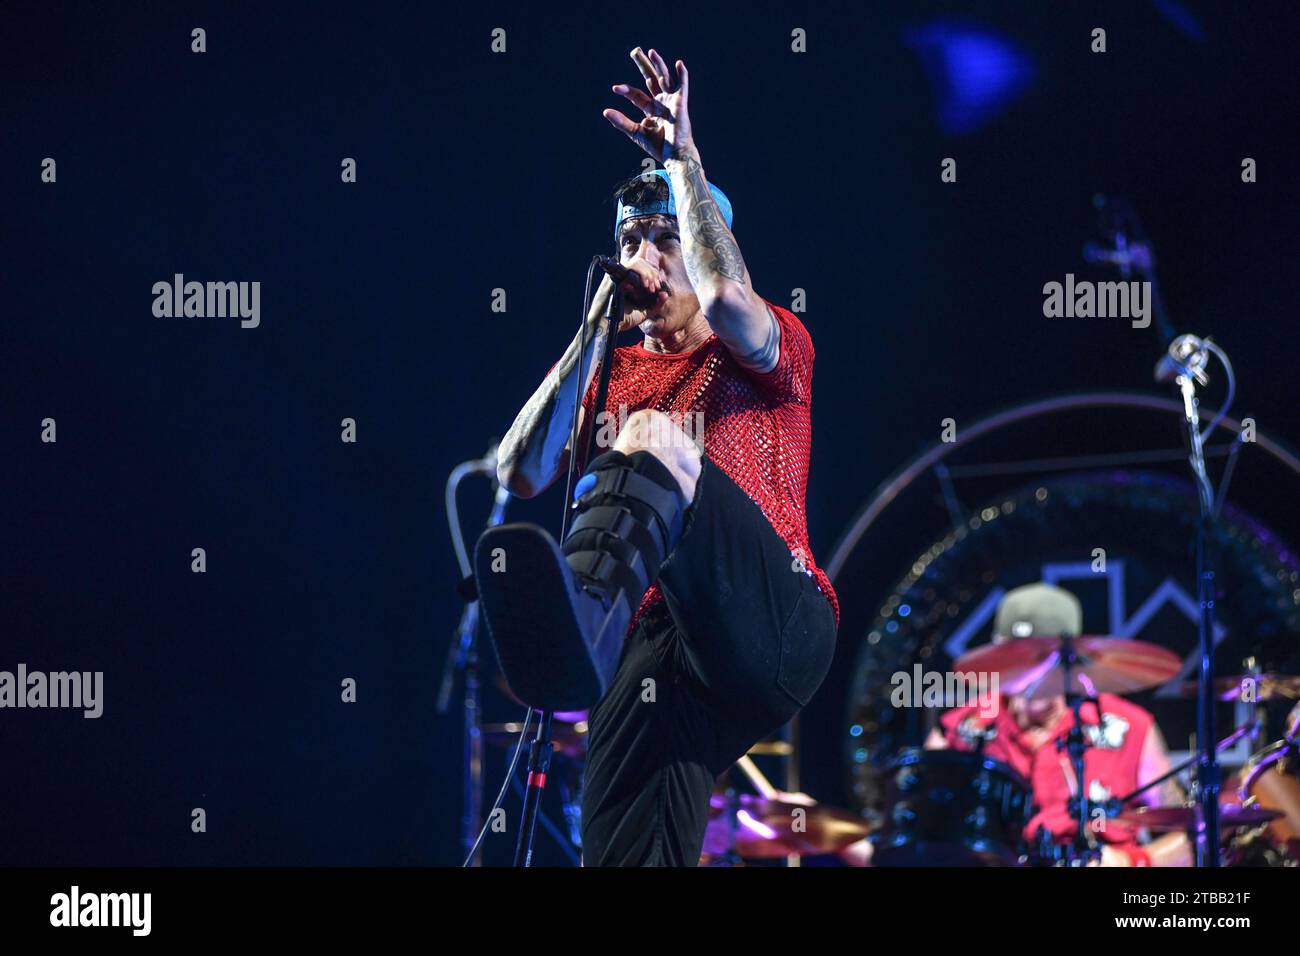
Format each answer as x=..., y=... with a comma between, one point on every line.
x=1038, y=610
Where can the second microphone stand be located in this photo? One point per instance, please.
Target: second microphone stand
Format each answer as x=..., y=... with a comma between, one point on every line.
x=1207, y=767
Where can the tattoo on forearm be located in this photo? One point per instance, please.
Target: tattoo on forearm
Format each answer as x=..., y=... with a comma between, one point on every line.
x=763, y=358
x=550, y=405
x=716, y=249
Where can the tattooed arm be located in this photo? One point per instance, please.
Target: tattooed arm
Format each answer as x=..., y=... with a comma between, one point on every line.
x=535, y=451
x=740, y=318
x=717, y=272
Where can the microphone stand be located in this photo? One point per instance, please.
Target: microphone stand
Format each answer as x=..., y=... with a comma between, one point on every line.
x=539, y=753
x=1075, y=743
x=1207, y=770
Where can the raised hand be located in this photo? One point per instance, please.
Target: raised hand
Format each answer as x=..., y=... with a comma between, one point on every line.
x=664, y=131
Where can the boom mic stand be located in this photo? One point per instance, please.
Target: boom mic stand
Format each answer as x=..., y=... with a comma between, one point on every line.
x=1185, y=362
x=539, y=754
x=1207, y=769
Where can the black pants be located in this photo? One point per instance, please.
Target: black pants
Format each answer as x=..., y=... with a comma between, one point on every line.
x=740, y=644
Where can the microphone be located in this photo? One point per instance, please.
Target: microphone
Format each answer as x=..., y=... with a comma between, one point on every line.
x=1187, y=355
x=620, y=273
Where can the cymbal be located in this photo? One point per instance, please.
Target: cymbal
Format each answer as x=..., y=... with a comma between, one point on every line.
x=1266, y=687
x=1031, y=666
x=570, y=740
x=767, y=829
x=1231, y=815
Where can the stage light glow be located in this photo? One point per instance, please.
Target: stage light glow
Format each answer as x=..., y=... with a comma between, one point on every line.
x=975, y=73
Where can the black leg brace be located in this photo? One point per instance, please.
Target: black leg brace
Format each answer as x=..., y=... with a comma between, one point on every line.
x=630, y=515
x=557, y=614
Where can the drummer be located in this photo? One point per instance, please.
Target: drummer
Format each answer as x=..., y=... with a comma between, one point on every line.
x=1125, y=748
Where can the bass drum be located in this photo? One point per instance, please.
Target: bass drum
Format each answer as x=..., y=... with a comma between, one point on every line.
x=952, y=808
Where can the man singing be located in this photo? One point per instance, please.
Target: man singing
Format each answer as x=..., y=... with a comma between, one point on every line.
x=683, y=605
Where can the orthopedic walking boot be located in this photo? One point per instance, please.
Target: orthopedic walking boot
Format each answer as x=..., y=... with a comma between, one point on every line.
x=557, y=614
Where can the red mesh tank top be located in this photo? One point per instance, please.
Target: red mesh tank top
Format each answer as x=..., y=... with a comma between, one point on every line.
x=756, y=427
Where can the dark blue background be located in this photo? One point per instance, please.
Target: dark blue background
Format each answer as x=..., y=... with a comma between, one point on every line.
x=328, y=560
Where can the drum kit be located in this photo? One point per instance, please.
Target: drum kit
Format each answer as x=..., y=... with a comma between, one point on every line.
x=954, y=808
x=964, y=808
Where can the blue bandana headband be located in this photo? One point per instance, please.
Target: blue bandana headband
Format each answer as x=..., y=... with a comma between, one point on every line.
x=667, y=207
